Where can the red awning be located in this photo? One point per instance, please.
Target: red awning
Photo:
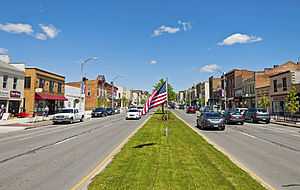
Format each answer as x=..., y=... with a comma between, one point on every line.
x=40, y=96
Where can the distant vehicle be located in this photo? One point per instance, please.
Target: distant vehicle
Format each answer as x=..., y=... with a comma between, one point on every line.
x=117, y=110
x=212, y=120
x=133, y=114
x=99, y=112
x=140, y=108
x=241, y=110
x=23, y=115
x=69, y=115
x=234, y=116
x=191, y=109
x=110, y=111
x=257, y=114
x=181, y=106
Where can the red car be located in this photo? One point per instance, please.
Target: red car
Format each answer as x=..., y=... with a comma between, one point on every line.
x=23, y=115
x=191, y=109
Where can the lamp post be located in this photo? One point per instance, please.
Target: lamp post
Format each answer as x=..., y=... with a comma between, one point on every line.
x=81, y=78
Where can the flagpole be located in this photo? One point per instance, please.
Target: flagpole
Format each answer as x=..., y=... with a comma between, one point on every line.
x=167, y=96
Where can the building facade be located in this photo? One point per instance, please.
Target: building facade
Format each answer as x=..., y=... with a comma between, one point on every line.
x=74, y=98
x=43, y=88
x=215, y=91
x=12, y=87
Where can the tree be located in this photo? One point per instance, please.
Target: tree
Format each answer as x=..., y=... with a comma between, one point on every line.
x=292, y=103
x=264, y=102
x=171, y=92
x=201, y=102
x=125, y=101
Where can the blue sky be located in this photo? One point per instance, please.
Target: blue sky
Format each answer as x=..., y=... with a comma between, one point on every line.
x=184, y=40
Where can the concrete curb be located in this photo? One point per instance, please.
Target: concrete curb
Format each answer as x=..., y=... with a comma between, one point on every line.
x=86, y=180
x=231, y=158
x=285, y=124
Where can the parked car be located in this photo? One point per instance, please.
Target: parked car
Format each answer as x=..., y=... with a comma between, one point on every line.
x=212, y=120
x=117, y=110
x=23, y=115
x=133, y=114
x=241, y=110
x=110, y=111
x=140, y=108
x=191, y=109
x=234, y=117
x=69, y=115
x=99, y=112
x=181, y=106
x=257, y=114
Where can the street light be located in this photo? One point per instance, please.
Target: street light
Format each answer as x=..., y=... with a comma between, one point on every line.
x=112, y=89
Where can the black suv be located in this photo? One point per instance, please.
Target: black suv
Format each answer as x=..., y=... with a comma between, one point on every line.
x=99, y=112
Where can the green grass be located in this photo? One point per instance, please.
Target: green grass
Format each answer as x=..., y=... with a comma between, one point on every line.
x=183, y=160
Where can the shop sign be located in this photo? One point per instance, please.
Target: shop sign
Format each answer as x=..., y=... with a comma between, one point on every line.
x=3, y=94
x=279, y=98
x=15, y=94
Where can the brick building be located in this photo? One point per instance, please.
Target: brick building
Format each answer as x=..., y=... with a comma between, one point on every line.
x=215, y=91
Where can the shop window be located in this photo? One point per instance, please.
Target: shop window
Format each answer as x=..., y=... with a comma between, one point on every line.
x=27, y=82
x=275, y=85
x=15, y=84
x=5, y=78
x=89, y=92
x=284, y=84
x=51, y=86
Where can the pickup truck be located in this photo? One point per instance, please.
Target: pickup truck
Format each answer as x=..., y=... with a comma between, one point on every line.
x=69, y=115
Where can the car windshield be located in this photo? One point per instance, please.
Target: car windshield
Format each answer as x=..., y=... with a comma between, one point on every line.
x=99, y=109
x=261, y=110
x=66, y=111
x=212, y=115
x=133, y=110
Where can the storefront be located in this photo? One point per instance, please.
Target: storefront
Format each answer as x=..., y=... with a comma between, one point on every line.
x=278, y=104
x=54, y=102
x=11, y=100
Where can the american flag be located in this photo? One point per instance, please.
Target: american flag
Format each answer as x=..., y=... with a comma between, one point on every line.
x=158, y=97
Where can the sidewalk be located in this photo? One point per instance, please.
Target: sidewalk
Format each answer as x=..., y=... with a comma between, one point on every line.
x=285, y=123
x=26, y=123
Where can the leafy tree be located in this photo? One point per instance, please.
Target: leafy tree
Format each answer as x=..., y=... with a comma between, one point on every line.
x=125, y=101
x=102, y=102
x=264, y=102
x=201, y=101
x=292, y=103
x=171, y=92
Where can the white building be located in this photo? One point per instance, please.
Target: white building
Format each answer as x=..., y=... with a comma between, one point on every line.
x=12, y=87
x=75, y=99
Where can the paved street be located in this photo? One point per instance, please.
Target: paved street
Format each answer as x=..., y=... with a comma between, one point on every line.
x=271, y=151
x=58, y=156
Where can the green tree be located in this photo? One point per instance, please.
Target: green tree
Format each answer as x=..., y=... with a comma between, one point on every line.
x=201, y=101
x=171, y=92
x=125, y=101
x=292, y=103
x=264, y=102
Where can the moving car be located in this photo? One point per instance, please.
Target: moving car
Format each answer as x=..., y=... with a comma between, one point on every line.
x=257, y=114
x=133, y=114
x=99, y=112
x=234, y=116
x=69, y=115
x=191, y=109
x=211, y=120
x=241, y=110
x=110, y=111
x=181, y=106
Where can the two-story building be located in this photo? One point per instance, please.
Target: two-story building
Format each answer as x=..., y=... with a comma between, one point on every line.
x=11, y=86
x=215, y=91
x=281, y=84
x=43, y=88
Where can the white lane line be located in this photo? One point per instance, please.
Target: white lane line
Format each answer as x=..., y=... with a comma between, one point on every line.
x=66, y=140
x=246, y=134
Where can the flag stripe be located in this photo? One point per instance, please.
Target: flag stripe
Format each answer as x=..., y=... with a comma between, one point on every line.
x=157, y=98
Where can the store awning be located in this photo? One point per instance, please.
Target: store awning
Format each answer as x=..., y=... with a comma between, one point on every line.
x=40, y=96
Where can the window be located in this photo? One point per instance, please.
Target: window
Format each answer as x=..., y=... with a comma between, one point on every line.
x=284, y=84
x=27, y=82
x=41, y=83
x=89, y=92
x=5, y=78
x=51, y=86
x=15, y=83
x=59, y=87
x=275, y=85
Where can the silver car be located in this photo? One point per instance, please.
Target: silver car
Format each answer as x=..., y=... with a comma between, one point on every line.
x=210, y=120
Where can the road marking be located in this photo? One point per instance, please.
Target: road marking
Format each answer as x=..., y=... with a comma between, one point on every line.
x=103, y=163
x=232, y=158
x=246, y=134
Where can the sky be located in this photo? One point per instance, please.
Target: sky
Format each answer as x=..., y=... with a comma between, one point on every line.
x=142, y=41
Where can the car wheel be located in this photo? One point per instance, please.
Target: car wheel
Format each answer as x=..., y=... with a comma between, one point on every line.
x=267, y=122
x=71, y=120
x=81, y=120
x=54, y=122
x=242, y=123
x=222, y=128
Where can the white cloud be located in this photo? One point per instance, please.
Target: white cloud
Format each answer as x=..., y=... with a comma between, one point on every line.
x=239, y=38
x=3, y=51
x=49, y=30
x=165, y=29
x=17, y=28
x=41, y=36
x=210, y=68
x=153, y=62
x=185, y=25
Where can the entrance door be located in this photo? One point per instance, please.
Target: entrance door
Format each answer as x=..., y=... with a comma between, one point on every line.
x=13, y=106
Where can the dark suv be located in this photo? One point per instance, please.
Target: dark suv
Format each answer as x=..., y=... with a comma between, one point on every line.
x=99, y=112
x=257, y=114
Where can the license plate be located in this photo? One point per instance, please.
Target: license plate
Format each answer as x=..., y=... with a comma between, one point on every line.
x=216, y=126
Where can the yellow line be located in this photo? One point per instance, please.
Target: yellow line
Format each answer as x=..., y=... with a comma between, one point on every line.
x=103, y=163
x=233, y=159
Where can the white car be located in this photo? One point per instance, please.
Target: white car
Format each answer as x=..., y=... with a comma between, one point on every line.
x=133, y=114
x=69, y=115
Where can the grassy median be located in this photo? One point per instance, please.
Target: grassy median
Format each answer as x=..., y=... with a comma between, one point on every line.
x=181, y=160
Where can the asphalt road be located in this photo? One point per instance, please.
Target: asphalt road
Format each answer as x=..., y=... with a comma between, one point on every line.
x=58, y=156
x=271, y=151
